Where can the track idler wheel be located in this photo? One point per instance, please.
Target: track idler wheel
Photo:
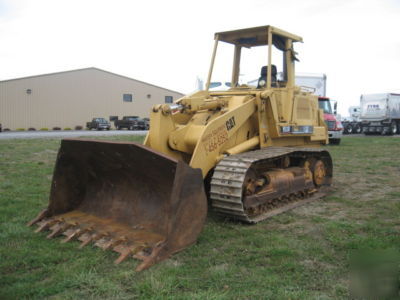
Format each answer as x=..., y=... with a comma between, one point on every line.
x=315, y=169
x=319, y=172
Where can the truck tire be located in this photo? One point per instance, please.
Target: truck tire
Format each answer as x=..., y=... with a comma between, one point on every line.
x=357, y=128
x=365, y=131
x=349, y=129
x=130, y=127
x=393, y=128
x=344, y=128
x=117, y=127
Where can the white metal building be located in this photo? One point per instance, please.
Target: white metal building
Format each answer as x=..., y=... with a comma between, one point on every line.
x=72, y=98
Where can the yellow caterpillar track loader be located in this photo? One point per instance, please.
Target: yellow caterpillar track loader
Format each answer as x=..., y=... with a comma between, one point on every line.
x=253, y=151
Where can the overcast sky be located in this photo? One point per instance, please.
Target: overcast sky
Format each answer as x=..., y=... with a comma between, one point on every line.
x=169, y=43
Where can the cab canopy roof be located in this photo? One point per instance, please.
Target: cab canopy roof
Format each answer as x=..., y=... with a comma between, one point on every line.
x=256, y=36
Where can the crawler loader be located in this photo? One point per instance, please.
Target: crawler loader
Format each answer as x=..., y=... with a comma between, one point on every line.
x=249, y=153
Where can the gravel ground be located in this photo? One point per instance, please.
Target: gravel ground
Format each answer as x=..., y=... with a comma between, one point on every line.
x=65, y=134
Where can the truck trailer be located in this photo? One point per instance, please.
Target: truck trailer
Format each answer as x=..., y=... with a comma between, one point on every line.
x=317, y=82
x=380, y=113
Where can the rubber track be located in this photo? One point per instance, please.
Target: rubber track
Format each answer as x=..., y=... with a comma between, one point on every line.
x=227, y=182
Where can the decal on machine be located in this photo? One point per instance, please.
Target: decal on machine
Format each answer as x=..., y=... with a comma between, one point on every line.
x=230, y=123
x=215, y=139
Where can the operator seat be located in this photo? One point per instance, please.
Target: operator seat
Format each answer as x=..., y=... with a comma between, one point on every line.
x=262, y=81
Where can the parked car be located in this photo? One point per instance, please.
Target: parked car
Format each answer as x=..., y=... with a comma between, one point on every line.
x=99, y=124
x=130, y=123
x=146, y=123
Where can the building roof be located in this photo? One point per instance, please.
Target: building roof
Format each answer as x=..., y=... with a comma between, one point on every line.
x=86, y=69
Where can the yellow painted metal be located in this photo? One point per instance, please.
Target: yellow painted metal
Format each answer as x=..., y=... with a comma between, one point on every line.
x=212, y=62
x=236, y=64
x=244, y=147
x=269, y=40
x=202, y=128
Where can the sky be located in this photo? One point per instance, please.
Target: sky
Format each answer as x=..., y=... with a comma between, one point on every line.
x=169, y=43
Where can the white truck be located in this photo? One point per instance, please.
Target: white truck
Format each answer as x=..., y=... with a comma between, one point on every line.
x=352, y=123
x=317, y=82
x=380, y=113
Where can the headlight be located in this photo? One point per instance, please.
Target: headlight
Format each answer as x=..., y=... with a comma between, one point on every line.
x=261, y=82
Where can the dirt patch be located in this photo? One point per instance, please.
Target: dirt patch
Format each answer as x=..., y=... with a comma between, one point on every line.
x=323, y=209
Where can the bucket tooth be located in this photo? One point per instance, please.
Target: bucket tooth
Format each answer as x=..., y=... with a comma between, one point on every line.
x=43, y=226
x=74, y=234
x=101, y=243
x=140, y=255
x=123, y=256
x=126, y=251
x=92, y=238
x=46, y=224
x=54, y=226
x=58, y=229
x=113, y=243
x=86, y=241
x=40, y=217
x=151, y=256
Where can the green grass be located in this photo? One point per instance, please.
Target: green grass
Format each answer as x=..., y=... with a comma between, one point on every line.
x=302, y=254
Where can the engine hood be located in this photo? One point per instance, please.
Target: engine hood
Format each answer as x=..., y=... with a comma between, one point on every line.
x=329, y=117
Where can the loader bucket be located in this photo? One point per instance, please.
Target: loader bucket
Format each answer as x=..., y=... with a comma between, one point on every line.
x=125, y=197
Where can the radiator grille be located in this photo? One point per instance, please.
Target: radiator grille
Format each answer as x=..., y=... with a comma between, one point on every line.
x=331, y=124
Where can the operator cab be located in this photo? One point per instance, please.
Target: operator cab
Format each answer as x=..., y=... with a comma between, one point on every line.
x=252, y=48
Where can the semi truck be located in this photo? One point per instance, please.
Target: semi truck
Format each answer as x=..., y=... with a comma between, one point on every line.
x=316, y=83
x=335, y=128
x=352, y=123
x=380, y=113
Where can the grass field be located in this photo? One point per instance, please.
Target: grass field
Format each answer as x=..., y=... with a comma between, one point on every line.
x=302, y=254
